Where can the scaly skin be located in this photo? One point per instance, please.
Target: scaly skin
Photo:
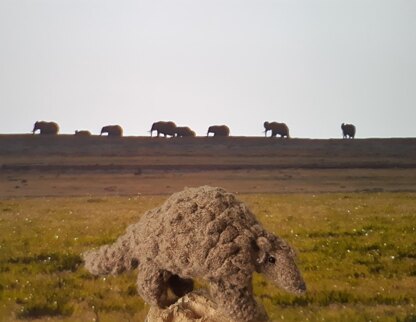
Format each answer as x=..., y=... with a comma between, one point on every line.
x=203, y=233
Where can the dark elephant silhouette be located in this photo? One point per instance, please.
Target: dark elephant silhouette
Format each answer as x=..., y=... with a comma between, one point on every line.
x=112, y=130
x=165, y=128
x=182, y=131
x=276, y=128
x=46, y=127
x=348, y=131
x=219, y=130
x=82, y=133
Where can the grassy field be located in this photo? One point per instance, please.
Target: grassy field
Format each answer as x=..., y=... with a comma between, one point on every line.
x=357, y=252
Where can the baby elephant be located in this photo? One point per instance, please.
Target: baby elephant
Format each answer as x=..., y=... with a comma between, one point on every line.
x=205, y=233
x=82, y=133
x=184, y=131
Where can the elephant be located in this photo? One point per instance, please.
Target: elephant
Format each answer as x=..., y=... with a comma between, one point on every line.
x=276, y=128
x=182, y=131
x=348, y=131
x=165, y=128
x=82, y=133
x=219, y=130
x=112, y=130
x=46, y=127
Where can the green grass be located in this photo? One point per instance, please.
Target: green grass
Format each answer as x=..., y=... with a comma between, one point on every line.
x=357, y=253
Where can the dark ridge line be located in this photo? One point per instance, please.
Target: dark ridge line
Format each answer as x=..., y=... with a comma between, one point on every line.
x=199, y=167
x=242, y=193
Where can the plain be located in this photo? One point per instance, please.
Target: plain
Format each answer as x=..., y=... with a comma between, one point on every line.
x=357, y=252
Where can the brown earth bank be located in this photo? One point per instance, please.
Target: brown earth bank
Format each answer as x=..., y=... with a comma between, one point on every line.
x=34, y=165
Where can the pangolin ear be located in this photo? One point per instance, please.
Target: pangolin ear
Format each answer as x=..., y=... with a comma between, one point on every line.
x=263, y=243
x=264, y=247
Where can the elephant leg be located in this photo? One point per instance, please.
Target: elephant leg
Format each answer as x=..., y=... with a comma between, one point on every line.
x=152, y=284
x=237, y=302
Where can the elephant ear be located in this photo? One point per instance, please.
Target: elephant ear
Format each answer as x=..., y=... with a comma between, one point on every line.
x=264, y=248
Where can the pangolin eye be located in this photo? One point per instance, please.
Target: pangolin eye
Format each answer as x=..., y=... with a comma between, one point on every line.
x=271, y=259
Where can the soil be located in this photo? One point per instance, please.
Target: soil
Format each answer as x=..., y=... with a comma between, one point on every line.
x=66, y=165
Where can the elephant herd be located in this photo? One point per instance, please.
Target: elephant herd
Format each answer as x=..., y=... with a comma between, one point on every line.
x=169, y=128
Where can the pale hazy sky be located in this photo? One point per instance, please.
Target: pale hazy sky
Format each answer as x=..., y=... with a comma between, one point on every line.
x=311, y=64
